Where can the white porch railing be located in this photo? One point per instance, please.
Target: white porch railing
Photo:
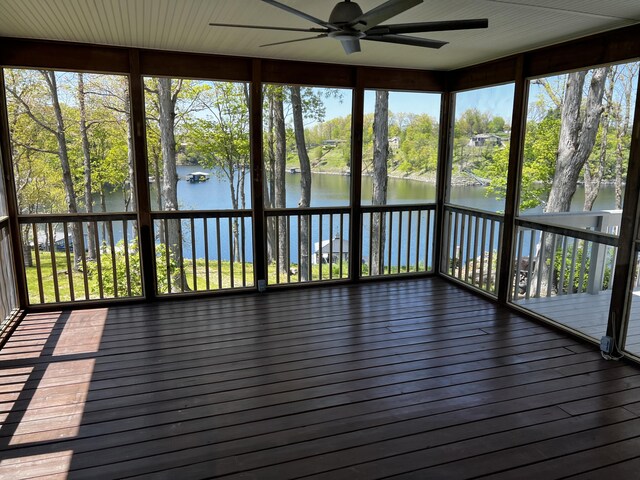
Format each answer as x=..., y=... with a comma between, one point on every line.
x=565, y=253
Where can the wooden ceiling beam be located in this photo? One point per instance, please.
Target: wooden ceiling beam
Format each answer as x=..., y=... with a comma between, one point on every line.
x=26, y=53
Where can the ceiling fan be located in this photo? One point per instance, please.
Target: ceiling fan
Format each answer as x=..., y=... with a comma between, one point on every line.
x=349, y=24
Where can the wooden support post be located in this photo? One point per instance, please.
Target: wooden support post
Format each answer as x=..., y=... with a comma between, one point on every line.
x=443, y=179
x=512, y=197
x=146, y=240
x=257, y=177
x=625, y=260
x=12, y=200
x=355, y=217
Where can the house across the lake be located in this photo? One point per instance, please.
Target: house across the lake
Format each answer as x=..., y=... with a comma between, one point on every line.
x=330, y=249
x=485, y=140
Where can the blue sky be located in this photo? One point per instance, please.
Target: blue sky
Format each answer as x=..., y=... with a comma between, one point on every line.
x=496, y=100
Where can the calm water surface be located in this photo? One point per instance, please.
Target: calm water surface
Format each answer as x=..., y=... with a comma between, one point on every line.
x=329, y=190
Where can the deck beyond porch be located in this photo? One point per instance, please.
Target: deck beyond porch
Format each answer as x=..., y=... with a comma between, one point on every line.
x=587, y=313
x=410, y=378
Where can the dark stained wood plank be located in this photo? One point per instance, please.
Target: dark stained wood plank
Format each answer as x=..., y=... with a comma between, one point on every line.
x=19, y=52
x=491, y=453
x=194, y=65
x=366, y=380
x=624, y=469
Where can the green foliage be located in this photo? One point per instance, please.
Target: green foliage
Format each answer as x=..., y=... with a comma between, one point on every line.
x=35, y=149
x=117, y=288
x=419, y=145
x=540, y=150
x=571, y=283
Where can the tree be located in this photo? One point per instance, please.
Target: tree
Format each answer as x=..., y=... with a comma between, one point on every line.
x=628, y=79
x=419, y=144
x=379, y=195
x=472, y=122
x=166, y=95
x=577, y=136
x=594, y=168
x=279, y=184
x=305, y=184
x=37, y=113
x=220, y=140
x=86, y=155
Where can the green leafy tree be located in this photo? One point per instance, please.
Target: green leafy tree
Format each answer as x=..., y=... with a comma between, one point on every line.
x=219, y=139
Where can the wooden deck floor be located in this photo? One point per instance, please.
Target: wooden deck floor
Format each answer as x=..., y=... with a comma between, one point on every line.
x=587, y=314
x=410, y=379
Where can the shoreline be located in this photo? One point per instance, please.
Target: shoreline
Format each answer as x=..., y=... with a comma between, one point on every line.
x=430, y=178
x=457, y=179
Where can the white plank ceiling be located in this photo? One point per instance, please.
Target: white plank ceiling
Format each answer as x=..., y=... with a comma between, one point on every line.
x=514, y=26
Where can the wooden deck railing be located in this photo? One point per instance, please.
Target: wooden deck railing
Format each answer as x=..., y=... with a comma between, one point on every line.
x=555, y=260
x=397, y=239
x=106, y=264
x=473, y=240
x=307, y=245
x=202, y=251
x=8, y=296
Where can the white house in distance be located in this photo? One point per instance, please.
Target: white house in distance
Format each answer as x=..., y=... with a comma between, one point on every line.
x=485, y=139
x=331, y=247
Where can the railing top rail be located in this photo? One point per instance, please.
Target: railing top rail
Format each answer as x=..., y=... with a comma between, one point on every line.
x=402, y=207
x=596, y=219
x=187, y=214
x=305, y=211
x=587, y=235
x=591, y=213
x=474, y=211
x=75, y=217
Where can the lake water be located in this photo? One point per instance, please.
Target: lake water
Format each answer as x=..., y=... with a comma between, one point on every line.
x=329, y=190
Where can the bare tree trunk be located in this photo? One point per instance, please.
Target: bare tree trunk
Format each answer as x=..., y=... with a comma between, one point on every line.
x=269, y=184
x=106, y=232
x=131, y=201
x=577, y=136
x=63, y=154
x=242, y=195
x=623, y=131
x=86, y=155
x=379, y=196
x=235, y=248
x=167, y=114
x=304, y=269
x=593, y=181
x=280, y=191
x=155, y=156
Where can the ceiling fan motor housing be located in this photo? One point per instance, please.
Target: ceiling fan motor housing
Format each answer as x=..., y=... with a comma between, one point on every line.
x=344, y=13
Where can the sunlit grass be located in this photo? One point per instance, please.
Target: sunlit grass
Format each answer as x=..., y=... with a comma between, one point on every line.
x=218, y=276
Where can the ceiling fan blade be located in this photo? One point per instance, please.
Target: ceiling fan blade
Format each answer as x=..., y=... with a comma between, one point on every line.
x=293, y=41
x=429, y=26
x=383, y=12
x=403, y=40
x=284, y=29
x=350, y=45
x=300, y=14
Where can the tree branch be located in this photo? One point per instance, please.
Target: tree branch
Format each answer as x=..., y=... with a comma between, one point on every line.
x=34, y=149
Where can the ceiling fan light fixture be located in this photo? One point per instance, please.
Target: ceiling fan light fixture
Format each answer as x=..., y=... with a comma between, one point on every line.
x=344, y=13
x=346, y=35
